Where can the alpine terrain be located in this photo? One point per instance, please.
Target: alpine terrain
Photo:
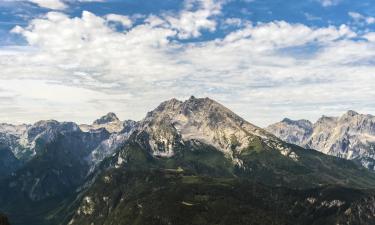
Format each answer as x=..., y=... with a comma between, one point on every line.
x=350, y=136
x=186, y=162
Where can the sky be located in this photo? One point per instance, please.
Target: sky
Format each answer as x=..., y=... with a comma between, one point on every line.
x=75, y=60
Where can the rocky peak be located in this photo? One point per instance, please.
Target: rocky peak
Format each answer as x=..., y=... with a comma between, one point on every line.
x=288, y=121
x=201, y=119
x=109, y=121
x=191, y=112
x=193, y=108
x=350, y=136
x=351, y=113
x=45, y=131
x=108, y=118
x=300, y=123
x=326, y=119
x=292, y=131
x=50, y=126
x=15, y=130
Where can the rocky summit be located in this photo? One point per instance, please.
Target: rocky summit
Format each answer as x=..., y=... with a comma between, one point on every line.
x=109, y=121
x=350, y=136
x=186, y=162
x=204, y=120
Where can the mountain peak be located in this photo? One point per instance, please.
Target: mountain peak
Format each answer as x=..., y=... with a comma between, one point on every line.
x=301, y=123
x=287, y=120
x=201, y=119
x=192, y=104
x=108, y=118
x=326, y=119
x=195, y=100
x=351, y=113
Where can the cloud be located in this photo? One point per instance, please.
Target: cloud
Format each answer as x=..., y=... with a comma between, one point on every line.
x=124, y=20
x=190, y=23
x=370, y=36
x=263, y=71
x=359, y=18
x=327, y=3
x=50, y=4
x=56, y=4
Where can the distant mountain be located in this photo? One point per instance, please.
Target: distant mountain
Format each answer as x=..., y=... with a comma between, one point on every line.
x=58, y=165
x=109, y=118
x=351, y=136
x=110, y=145
x=186, y=162
x=44, y=163
x=109, y=121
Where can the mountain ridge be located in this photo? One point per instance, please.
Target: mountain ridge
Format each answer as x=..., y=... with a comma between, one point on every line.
x=350, y=136
x=190, y=156
x=161, y=154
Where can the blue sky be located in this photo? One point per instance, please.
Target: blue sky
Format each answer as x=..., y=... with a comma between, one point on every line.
x=308, y=12
x=264, y=59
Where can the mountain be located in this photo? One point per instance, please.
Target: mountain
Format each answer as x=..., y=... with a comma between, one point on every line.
x=8, y=162
x=45, y=163
x=9, y=137
x=53, y=164
x=109, y=118
x=58, y=167
x=110, y=145
x=186, y=162
x=196, y=162
x=184, y=198
x=351, y=136
x=109, y=121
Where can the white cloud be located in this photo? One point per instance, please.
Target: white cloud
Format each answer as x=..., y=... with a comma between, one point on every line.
x=327, y=3
x=233, y=22
x=370, y=36
x=50, y=4
x=359, y=18
x=257, y=70
x=190, y=23
x=56, y=4
x=124, y=20
x=278, y=34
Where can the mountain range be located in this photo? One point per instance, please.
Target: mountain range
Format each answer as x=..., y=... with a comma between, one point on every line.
x=350, y=136
x=186, y=162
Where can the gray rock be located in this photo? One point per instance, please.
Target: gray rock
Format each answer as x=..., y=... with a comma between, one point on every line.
x=351, y=136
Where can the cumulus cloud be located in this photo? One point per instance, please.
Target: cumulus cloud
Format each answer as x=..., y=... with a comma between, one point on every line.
x=263, y=71
x=190, y=23
x=124, y=20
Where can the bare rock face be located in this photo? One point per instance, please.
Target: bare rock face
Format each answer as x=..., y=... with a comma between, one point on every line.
x=109, y=118
x=292, y=131
x=115, y=140
x=204, y=120
x=23, y=140
x=351, y=136
x=109, y=121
